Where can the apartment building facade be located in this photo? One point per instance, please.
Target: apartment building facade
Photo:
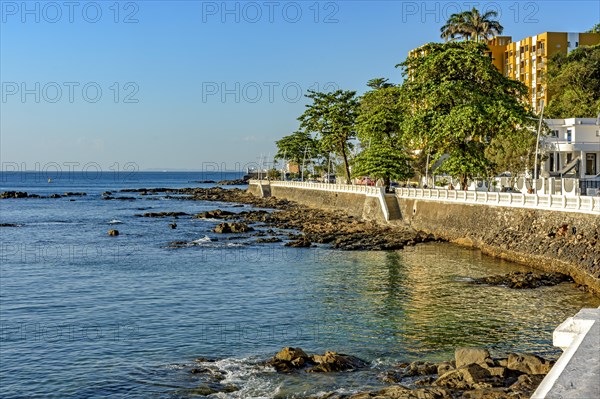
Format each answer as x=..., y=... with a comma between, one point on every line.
x=527, y=60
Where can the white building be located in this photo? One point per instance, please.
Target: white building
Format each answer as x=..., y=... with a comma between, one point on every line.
x=572, y=148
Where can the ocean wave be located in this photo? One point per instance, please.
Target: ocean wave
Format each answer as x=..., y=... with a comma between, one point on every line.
x=201, y=241
x=115, y=221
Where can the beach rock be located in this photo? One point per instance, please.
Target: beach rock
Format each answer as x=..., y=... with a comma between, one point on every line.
x=289, y=359
x=14, y=194
x=420, y=368
x=268, y=240
x=527, y=383
x=522, y=280
x=216, y=214
x=113, y=233
x=400, y=392
x=236, y=182
x=529, y=364
x=472, y=376
x=335, y=362
x=225, y=228
x=173, y=225
x=163, y=214
x=301, y=243
x=444, y=367
x=466, y=356
x=491, y=393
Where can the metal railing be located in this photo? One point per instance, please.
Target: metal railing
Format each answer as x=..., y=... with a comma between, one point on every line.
x=583, y=204
x=341, y=188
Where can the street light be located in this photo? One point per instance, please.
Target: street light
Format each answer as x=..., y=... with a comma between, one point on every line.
x=537, y=146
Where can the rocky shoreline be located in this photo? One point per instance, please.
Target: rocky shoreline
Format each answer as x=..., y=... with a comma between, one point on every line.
x=472, y=374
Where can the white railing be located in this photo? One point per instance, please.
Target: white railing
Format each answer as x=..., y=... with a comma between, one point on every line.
x=340, y=188
x=583, y=204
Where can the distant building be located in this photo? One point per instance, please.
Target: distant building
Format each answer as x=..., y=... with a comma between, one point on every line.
x=572, y=148
x=527, y=59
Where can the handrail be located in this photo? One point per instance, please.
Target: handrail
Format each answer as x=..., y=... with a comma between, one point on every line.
x=577, y=203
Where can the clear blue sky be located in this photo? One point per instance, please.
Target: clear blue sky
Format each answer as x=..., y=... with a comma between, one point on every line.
x=176, y=58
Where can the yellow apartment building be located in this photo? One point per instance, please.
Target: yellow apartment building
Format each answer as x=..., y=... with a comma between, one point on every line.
x=527, y=59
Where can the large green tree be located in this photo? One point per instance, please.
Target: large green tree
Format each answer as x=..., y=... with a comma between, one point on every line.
x=574, y=83
x=297, y=147
x=332, y=116
x=459, y=103
x=472, y=25
x=379, y=127
x=512, y=152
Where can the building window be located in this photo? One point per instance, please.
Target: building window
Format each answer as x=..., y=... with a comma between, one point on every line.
x=568, y=44
x=576, y=44
x=569, y=136
x=597, y=133
x=554, y=133
x=552, y=168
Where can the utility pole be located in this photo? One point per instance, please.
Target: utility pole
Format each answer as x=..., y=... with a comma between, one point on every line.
x=537, y=146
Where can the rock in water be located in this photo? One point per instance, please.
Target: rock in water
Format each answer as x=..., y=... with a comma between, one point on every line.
x=529, y=364
x=466, y=356
x=113, y=233
x=289, y=359
x=335, y=362
x=225, y=228
x=173, y=225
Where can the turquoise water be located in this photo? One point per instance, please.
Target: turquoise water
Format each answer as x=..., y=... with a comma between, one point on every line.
x=84, y=315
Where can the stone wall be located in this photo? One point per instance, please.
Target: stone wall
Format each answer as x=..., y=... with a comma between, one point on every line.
x=565, y=242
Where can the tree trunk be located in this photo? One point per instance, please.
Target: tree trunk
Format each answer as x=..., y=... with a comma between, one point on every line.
x=464, y=182
x=346, y=166
x=386, y=183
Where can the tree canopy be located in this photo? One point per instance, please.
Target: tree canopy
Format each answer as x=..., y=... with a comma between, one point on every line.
x=459, y=103
x=332, y=116
x=296, y=147
x=574, y=83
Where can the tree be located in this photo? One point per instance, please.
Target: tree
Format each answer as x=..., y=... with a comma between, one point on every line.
x=459, y=102
x=595, y=29
x=513, y=152
x=382, y=161
x=379, y=128
x=574, y=83
x=332, y=117
x=471, y=25
x=297, y=147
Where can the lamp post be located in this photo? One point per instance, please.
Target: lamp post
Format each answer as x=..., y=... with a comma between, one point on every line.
x=537, y=146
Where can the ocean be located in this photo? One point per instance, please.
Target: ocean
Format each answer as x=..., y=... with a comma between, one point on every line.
x=85, y=315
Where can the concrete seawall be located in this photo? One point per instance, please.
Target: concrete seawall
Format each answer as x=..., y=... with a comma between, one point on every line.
x=566, y=242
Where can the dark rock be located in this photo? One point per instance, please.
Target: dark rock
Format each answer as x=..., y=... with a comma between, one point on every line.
x=9, y=225
x=113, y=233
x=216, y=214
x=400, y=392
x=13, y=194
x=55, y=196
x=472, y=376
x=268, y=240
x=521, y=280
x=289, y=359
x=335, y=362
x=236, y=182
x=225, y=228
x=301, y=243
x=71, y=194
x=163, y=214
x=173, y=225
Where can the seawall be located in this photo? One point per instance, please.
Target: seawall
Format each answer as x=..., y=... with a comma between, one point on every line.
x=549, y=240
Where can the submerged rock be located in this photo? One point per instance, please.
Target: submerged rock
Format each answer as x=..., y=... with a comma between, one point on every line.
x=163, y=214
x=113, y=233
x=290, y=359
x=521, y=280
x=216, y=214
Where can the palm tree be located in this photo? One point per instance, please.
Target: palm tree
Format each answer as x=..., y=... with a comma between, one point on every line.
x=472, y=25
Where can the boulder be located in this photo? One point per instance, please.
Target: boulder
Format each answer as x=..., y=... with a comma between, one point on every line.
x=528, y=364
x=225, y=228
x=472, y=376
x=466, y=356
x=400, y=392
x=420, y=368
x=289, y=359
x=216, y=214
x=527, y=383
x=444, y=367
x=113, y=233
x=301, y=243
x=335, y=362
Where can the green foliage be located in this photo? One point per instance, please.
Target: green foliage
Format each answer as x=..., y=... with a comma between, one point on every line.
x=296, y=146
x=574, y=83
x=471, y=25
x=595, y=29
x=332, y=117
x=459, y=103
x=382, y=161
x=513, y=152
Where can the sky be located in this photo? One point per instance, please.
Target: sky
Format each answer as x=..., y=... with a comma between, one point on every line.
x=199, y=85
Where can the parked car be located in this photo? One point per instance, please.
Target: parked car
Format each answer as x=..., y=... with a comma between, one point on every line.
x=366, y=181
